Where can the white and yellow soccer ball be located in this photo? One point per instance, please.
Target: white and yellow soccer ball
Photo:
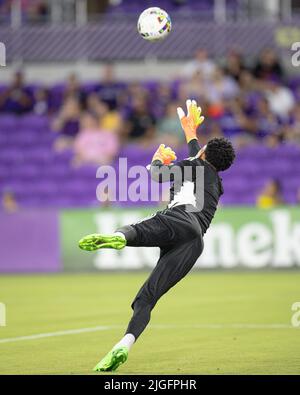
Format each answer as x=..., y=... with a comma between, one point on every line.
x=154, y=24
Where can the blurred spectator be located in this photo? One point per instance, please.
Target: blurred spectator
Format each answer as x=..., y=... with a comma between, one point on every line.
x=271, y=195
x=169, y=128
x=195, y=87
x=237, y=124
x=268, y=66
x=140, y=122
x=265, y=120
x=41, y=102
x=291, y=130
x=280, y=98
x=109, y=90
x=163, y=96
x=201, y=63
x=234, y=66
x=16, y=98
x=221, y=87
x=109, y=120
x=67, y=123
x=9, y=203
x=127, y=95
x=93, y=145
x=73, y=90
x=249, y=90
x=209, y=131
x=36, y=10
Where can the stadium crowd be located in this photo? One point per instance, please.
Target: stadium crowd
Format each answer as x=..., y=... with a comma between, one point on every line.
x=247, y=104
x=256, y=106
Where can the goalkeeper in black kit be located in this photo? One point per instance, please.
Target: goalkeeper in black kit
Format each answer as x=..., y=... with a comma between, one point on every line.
x=178, y=230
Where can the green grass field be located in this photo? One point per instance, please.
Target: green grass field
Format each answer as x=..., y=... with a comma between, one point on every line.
x=210, y=323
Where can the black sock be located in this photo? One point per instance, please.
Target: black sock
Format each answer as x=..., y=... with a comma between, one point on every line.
x=130, y=234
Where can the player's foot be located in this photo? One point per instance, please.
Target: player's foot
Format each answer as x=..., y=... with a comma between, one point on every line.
x=95, y=241
x=112, y=360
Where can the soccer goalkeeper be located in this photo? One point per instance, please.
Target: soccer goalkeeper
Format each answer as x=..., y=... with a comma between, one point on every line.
x=178, y=230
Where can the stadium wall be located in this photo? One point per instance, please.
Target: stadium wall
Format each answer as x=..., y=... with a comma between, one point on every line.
x=30, y=242
x=238, y=238
x=49, y=53
x=118, y=40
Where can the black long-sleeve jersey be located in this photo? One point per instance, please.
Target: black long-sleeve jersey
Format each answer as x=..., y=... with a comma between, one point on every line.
x=195, y=184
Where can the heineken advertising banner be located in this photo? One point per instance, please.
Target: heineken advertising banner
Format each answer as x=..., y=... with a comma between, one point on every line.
x=237, y=237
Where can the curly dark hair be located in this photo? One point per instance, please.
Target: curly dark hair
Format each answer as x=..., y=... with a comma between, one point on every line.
x=220, y=153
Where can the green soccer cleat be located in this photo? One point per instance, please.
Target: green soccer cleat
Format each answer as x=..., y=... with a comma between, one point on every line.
x=95, y=241
x=112, y=360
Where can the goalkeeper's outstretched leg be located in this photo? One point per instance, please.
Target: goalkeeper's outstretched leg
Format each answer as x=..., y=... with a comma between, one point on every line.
x=173, y=265
x=179, y=237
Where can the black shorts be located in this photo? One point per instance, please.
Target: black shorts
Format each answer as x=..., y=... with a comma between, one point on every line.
x=179, y=235
x=167, y=228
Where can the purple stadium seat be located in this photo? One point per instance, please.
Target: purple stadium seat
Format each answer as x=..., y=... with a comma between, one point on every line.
x=8, y=122
x=35, y=122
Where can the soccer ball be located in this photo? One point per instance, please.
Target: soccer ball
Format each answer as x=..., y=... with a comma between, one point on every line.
x=154, y=24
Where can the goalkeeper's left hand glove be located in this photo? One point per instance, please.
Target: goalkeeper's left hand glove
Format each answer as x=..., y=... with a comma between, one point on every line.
x=191, y=121
x=164, y=154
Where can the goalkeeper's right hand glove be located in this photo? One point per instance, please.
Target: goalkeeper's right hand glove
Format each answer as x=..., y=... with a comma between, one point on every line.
x=191, y=121
x=164, y=154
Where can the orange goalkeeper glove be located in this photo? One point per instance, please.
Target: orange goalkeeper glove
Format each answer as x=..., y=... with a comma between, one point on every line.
x=191, y=121
x=164, y=154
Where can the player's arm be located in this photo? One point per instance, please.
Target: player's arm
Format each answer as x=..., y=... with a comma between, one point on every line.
x=190, y=123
